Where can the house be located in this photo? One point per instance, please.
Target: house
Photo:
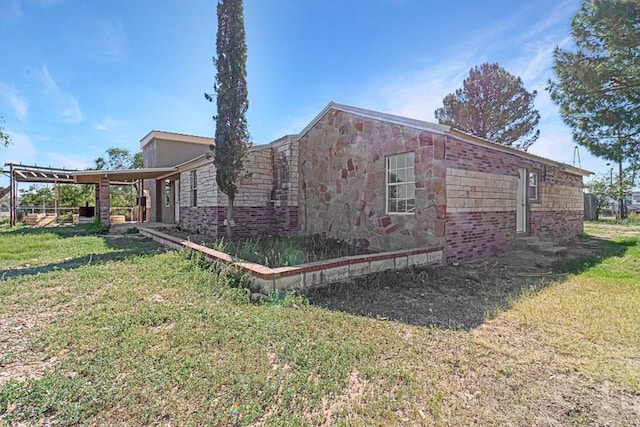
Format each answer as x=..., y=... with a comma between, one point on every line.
x=385, y=181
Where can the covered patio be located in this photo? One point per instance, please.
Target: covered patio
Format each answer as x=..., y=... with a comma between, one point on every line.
x=101, y=179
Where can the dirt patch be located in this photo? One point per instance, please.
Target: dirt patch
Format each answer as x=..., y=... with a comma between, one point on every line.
x=458, y=296
x=18, y=360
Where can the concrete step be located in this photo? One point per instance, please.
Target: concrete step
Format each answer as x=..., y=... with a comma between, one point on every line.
x=524, y=241
x=540, y=245
x=554, y=250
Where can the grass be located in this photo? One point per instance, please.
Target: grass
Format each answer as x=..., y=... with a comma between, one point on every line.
x=133, y=335
x=281, y=251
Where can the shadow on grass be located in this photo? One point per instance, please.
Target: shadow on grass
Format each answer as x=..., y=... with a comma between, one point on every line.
x=62, y=231
x=463, y=296
x=122, y=247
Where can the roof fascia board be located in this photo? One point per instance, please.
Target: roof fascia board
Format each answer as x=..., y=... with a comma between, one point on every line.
x=195, y=163
x=157, y=135
x=439, y=129
x=375, y=115
x=475, y=140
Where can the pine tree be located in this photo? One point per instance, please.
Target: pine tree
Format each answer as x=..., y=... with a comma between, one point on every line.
x=493, y=104
x=232, y=137
x=598, y=83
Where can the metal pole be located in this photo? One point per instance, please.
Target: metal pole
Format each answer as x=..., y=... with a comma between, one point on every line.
x=12, y=214
x=623, y=214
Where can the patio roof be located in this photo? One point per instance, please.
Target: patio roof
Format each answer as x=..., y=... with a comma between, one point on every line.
x=26, y=173
x=125, y=176
x=49, y=175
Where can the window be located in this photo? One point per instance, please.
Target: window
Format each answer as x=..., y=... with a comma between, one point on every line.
x=194, y=188
x=401, y=184
x=533, y=186
x=167, y=193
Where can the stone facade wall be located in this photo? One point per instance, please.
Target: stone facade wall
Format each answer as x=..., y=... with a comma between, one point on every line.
x=285, y=175
x=206, y=186
x=342, y=182
x=482, y=196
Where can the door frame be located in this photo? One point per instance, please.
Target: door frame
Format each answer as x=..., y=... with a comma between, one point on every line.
x=176, y=200
x=522, y=202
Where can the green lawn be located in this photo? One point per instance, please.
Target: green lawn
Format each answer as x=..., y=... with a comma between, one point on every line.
x=115, y=331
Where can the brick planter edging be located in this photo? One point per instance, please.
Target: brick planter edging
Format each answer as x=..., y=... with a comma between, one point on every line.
x=312, y=274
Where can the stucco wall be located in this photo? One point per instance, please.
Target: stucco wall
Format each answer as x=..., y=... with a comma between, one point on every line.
x=165, y=153
x=342, y=182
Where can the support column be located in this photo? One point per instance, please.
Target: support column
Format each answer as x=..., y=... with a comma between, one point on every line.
x=103, y=205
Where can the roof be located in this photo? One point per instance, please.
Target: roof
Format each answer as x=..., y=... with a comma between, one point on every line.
x=121, y=176
x=440, y=129
x=28, y=173
x=174, y=137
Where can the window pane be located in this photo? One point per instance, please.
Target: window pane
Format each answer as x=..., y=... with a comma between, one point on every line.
x=401, y=183
x=411, y=191
x=393, y=191
x=402, y=191
x=410, y=175
x=391, y=163
x=410, y=162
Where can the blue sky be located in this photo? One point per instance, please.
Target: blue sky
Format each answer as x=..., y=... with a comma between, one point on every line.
x=78, y=76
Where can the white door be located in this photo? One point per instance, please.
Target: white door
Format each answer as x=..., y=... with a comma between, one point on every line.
x=176, y=199
x=521, y=204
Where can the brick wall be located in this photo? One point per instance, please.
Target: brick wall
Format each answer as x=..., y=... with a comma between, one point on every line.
x=342, y=182
x=472, y=235
x=255, y=210
x=559, y=213
x=482, y=195
x=104, y=204
x=249, y=219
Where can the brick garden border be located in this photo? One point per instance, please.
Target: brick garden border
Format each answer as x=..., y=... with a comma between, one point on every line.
x=319, y=273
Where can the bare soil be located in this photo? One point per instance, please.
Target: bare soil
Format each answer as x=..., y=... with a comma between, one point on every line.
x=458, y=296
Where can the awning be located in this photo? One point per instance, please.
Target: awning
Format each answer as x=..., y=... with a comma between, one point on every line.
x=122, y=176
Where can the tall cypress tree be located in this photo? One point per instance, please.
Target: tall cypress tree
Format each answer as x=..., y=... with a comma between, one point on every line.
x=232, y=137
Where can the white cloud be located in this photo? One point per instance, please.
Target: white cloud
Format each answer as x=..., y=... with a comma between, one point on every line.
x=11, y=96
x=10, y=11
x=99, y=40
x=107, y=124
x=67, y=105
x=557, y=16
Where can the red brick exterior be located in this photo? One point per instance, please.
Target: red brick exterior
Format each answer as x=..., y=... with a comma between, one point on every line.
x=249, y=219
x=556, y=225
x=479, y=234
x=480, y=231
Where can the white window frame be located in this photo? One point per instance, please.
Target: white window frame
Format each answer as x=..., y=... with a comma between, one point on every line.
x=194, y=188
x=400, y=175
x=533, y=185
